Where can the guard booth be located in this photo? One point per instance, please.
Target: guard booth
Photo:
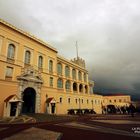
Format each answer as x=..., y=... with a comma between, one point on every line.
x=51, y=106
x=12, y=106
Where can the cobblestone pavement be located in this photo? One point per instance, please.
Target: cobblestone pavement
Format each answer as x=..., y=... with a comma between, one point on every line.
x=35, y=134
x=118, y=121
x=19, y=119
x=101, y=127
x=97, y=128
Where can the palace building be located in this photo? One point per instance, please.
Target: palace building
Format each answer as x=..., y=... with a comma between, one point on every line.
x=35, y=79
x=118, y=102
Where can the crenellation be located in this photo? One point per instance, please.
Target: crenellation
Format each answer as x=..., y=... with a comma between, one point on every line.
x=79, y=61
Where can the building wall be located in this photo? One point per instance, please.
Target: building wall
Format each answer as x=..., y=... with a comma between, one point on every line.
x=6, y=88
x=22, y=43
x=117, y=100
x=10, y=85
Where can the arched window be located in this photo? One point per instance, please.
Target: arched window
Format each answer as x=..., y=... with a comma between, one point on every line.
x=80, y=75
x=74, y=74
x=27, y=57
x=60, y=99
x=11, y=51
x=80, y=88
x=86, y=89
x=69, y=100
x=59, y=69
x=67, y=71
x=59, y=83
x=74, y=86
x=50, y=66
x=67, y=85
x=76, y=101
x=40, y=62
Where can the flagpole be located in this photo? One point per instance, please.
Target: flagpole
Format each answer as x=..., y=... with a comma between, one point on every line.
x=77, y=49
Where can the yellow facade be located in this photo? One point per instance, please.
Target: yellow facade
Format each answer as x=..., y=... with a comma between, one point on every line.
x=117, y=100
x=54, y=84
x=120, y=102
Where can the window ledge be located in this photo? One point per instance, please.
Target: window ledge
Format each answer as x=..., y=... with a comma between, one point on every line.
x=9, y=78
x=60, y=88
x=10, y=60
x=40, y=69
x=26, y=65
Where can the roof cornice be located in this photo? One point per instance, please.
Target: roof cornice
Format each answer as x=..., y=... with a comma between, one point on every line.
x=27, y=35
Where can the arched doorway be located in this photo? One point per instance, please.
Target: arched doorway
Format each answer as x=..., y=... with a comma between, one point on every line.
x=74, y=87
x=111, y=109
x=29, y=97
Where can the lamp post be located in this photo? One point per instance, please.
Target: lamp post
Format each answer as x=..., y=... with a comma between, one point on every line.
x=92, y=103
x=79, y=104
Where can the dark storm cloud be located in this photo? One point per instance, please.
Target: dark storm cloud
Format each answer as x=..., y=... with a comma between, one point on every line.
x=107, y=31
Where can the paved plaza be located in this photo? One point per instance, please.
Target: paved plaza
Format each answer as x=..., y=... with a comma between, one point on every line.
x=100, y=127
x=35, y=134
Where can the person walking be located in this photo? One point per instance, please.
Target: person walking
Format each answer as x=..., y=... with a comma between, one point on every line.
x=132, y=109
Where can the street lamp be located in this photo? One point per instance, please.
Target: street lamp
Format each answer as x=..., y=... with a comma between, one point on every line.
x=92, y=103
x=79, y=104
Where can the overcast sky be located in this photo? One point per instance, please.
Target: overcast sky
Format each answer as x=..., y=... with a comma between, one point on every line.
x=107, y=31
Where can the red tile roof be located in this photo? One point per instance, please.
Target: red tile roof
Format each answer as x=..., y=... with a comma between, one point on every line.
x=9, y=97
x=49, y=100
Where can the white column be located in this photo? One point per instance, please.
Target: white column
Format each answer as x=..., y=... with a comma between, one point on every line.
x=37, y=105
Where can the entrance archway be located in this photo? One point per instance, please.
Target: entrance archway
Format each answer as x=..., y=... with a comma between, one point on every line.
x=74, y=86
x=111, y=109
x=29, y=97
